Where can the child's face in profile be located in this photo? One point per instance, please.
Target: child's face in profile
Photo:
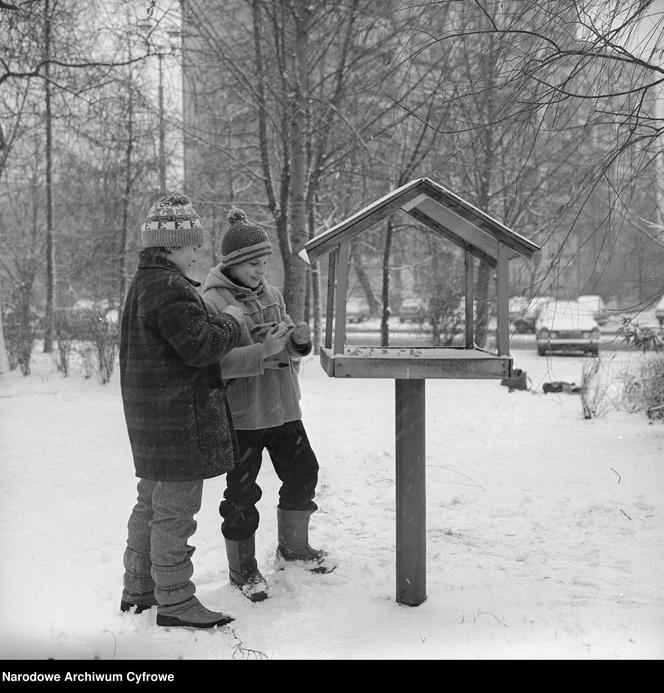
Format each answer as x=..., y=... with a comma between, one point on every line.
x=183, y=258
x=249, y=273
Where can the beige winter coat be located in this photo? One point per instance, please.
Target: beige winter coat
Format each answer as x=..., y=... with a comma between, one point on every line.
x=262, y=393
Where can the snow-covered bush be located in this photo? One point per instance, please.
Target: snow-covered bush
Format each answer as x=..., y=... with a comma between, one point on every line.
x=93, y=330
x=601, y=388
x=20, y=327
x=65, y=334
x=446, y=307
x=102, y=331
x=105, y=345
x=644, y=387
x=445, y=313
x=643, y=338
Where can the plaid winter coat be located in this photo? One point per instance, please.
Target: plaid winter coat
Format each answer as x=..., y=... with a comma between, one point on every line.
x=174, y=399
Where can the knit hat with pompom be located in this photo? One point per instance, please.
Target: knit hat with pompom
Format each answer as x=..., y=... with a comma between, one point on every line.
x=243, y=241
x=172, y=222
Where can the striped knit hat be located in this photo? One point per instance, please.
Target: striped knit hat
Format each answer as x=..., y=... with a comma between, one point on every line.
x=243, y=241
x=172, y=222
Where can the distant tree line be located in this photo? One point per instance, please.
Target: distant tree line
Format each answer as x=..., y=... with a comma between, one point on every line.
x=542, y=113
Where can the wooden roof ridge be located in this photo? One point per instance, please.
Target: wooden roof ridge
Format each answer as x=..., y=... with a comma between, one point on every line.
x=405, y=198
x=480, y=218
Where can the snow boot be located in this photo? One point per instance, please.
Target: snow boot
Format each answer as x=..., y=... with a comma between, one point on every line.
x=142, y=602
x=293, y=543
x=243, y=570
x=191, y=614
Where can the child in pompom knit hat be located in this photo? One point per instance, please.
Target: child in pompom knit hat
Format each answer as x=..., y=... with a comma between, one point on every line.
x=176, y=413
x=264, y=395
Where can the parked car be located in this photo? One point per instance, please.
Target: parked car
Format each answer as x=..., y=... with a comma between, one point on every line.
x=659, y=312
x=595, y=306
x=526, y=322
x=357, y=310
x=413, y=310
x=564, y=326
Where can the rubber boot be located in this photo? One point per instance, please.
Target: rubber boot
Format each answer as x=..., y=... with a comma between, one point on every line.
x=191, y=614
x=243, y=570
x=142, y=602
x=293, y=543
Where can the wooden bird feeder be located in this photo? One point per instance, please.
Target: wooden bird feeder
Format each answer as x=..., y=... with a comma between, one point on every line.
x=481, y=237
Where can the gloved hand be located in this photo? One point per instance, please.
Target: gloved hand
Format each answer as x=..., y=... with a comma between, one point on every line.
x=259, y=332
x=301, y=333
x=275, y=340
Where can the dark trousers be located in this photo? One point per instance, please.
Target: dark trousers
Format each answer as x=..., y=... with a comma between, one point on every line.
x=295, y=464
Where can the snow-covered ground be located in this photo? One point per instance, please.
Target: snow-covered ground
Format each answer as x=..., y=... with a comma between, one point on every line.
x=545, y=531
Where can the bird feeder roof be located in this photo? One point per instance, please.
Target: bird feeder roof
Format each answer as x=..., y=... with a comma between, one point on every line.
x=440, y=210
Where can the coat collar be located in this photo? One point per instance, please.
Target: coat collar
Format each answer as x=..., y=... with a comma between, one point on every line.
x=151, y=258
x=243, y=292
x=219, y=279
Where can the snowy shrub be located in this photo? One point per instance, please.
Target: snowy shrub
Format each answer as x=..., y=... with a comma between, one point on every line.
x=445, y=314
x=97, y=331
x=105, y=346
x=643, y=338
x=598, y=391
x=84, y=350
x=65, y=334
x=20, y=331
x=644, y=388
x=10, y=333
x=446, y=308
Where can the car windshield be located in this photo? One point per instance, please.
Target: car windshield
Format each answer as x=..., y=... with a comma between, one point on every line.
x=591, y=300
x=558, y=313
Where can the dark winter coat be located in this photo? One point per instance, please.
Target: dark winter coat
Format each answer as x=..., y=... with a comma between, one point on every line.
x=174, y=398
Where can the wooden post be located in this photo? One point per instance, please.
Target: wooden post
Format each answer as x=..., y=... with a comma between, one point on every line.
x=340, y=298
x=470, y=294
x=502, y=307
x=329, y=314
x=410, y=491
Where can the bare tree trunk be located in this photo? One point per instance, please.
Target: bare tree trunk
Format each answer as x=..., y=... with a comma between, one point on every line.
x=162, y=127
x=315, y=303
x=126, y=199
x=50, y=245
x=24, y=311
x=363, y=277
x=4, y=149
x=278, y=207
x=485, y=179
x=4, y=363
x=295, y=280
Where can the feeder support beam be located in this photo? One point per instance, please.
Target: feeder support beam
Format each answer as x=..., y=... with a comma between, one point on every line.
x=410, y=491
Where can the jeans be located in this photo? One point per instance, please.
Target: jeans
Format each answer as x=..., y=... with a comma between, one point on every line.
x=295, y=464
x=157, y=556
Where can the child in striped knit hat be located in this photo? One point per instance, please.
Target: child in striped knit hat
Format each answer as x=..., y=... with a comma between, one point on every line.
x=264, y=394
x=175, y=410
